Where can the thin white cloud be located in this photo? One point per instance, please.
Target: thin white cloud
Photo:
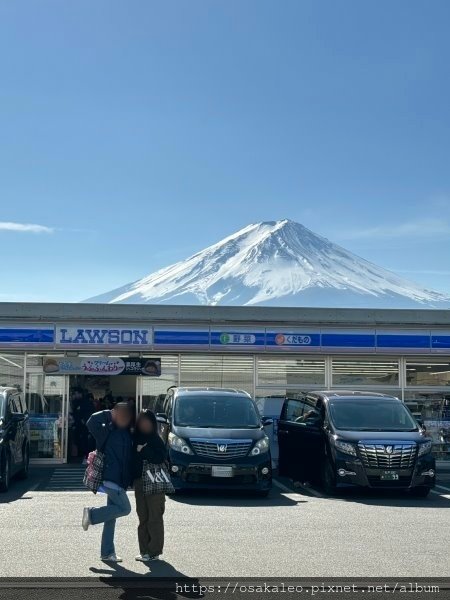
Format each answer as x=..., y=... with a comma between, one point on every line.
x=25, y=227
x=413, y=229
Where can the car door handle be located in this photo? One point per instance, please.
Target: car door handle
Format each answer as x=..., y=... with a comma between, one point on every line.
x=283, y=431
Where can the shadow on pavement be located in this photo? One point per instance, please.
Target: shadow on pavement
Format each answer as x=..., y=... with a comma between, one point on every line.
x=392, y=498
x=233, y=498
x=19, y=488
x=162, y=582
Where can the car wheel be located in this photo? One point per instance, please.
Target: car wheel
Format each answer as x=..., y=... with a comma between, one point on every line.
x=420, y=492
x=262, y=493
x=4, y=484
x=23, y=473
x=328, y=478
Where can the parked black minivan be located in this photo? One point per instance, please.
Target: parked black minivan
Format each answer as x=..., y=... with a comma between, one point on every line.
x=215, y=439
x=14, y=436
x=346, y=439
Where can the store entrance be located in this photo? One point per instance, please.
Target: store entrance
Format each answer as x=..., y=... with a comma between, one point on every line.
x=89, y=394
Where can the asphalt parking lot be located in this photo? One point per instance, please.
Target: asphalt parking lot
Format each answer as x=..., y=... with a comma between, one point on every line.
x=294, y=532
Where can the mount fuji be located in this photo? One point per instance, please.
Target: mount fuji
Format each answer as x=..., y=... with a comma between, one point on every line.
x=276, y=263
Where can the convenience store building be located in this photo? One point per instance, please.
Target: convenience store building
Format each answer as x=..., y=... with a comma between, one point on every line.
x=138, y=351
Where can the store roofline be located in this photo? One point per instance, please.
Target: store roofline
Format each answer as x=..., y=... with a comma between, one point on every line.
x=359, y=317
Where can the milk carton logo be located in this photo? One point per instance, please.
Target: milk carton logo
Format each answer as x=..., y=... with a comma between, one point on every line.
x=291, y=339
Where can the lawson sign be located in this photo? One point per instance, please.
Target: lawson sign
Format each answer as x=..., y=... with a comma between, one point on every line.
x=101, y=335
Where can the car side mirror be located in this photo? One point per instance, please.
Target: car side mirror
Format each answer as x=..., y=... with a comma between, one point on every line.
x=162, y=418
x=265, y=421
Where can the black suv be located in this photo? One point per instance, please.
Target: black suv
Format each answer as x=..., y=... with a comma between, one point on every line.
x=14, y=436
x=344, y=439
x=216, y=439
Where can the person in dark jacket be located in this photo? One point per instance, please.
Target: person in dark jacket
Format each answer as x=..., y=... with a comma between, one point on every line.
x=147, y=445
x=111, y=431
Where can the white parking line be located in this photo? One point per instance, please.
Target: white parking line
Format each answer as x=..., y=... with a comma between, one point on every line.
x=442, y=487
x=289, y=490
x=441, y=495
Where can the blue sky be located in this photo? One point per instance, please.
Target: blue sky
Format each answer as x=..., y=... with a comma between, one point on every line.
x=135, y=133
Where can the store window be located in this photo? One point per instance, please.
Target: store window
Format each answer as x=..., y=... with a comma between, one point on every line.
x=154, y=389
x=290, y=370
x=428, y=373
x=217, y=371
x=44, y=395
x=365, y=372
x=432, y=408
x=12, y=370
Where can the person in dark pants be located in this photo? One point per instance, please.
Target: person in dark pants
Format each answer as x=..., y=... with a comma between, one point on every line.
x=111, y=430
x=147, y=445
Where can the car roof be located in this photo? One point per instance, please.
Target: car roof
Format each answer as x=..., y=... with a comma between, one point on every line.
x=207, y=391
x=346, y=394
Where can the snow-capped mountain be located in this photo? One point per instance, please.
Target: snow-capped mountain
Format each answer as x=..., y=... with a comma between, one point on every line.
x=278, y=263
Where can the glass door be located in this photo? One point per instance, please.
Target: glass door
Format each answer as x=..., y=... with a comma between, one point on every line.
x=46, y=397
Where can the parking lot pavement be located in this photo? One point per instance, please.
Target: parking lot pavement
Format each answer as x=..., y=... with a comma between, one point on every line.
x=294, y=532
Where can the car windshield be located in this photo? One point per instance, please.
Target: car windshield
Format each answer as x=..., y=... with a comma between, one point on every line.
x=371, y=415
x=216, y=411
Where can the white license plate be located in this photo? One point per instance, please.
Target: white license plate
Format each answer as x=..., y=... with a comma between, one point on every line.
x=389, y=476
x=221, y=471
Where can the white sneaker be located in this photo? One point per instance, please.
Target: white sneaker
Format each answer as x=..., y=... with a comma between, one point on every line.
x=111, y=558
x=86, y=520
x=156, y=557
x=142, y=557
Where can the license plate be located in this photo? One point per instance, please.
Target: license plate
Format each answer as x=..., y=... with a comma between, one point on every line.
x=221, y=471
x=389, y=476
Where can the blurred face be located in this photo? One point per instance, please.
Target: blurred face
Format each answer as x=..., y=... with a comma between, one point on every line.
x=145, y=426
x=121, y=417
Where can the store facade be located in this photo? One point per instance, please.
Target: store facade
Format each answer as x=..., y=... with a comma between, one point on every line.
x=137, y=352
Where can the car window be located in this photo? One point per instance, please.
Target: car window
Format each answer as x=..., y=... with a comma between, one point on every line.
x=169, y=406
x=20, y=404
x=293, y=409
x=12, y=406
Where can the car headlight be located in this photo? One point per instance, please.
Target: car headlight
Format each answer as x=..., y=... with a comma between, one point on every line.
x=345, y=447
x=425, y=448
x=178, y=444
x=260, y=447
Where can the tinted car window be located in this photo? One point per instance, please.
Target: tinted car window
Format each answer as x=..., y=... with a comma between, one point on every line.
x=301, y=411
x=293, y=409
x=216, y=411
x=367, y=415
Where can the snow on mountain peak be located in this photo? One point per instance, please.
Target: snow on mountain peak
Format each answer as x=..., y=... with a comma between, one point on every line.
x=279, y=263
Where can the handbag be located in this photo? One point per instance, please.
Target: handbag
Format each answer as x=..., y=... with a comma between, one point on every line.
x=156, y=479
x=93, y=476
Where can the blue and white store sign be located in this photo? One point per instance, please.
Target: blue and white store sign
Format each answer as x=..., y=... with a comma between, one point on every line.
x=176, y=337
x=100, y=336
x=299, y=340
x=236, y=338
x=29, y=335
x=440, y=341
x=336, y=340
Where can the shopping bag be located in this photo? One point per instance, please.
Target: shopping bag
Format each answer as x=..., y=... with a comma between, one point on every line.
x=156, y=479
x=93, y=476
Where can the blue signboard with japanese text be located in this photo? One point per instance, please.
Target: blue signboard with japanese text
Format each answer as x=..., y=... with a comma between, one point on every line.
x=238, y=338
x=297, y=340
